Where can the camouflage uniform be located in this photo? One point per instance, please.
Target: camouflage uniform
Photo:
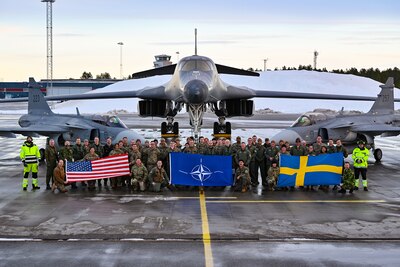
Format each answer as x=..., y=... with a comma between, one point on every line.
x=273, y=174
x=134, y=155
x=51, y=156
x=158, y=176
x=202, y=149
x=138, y=174
x=107, y=150
x=98, y=149
x=153, y=154
x=243, y=155
x=190, y=150
x=116, y=181
x=242, y=179
x=252, y=165
x=67, y=154
x=163, y=153
x=220, y=150
x=145, y=154
x=348, y=180
x=91, y=183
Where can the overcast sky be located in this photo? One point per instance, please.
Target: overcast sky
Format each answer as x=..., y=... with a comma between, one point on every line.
x=239, y=33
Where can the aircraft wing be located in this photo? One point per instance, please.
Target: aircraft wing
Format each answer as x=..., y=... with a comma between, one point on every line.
x=297, y=95
x=145, y=93
x=34, y=131
x=376, y=129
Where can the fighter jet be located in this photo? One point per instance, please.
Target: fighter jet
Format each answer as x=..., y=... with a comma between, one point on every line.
x=380, y=120
x=40, y=120
x=195, y=84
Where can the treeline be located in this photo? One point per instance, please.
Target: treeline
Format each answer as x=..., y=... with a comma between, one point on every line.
x=375, y=74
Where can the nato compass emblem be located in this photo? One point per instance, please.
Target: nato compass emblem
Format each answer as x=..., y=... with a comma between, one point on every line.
x=201, y=172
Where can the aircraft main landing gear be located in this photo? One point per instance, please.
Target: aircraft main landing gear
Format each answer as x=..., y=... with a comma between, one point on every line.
x=222, y=128
x=169, y=129
x=378, y=154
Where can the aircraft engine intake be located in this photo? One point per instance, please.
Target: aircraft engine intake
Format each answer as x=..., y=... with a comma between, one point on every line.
x=239, y=107
x=153, y=108
x=195, y=92
x=350, y=137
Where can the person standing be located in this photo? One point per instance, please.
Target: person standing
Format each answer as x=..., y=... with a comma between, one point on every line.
x=99, y=150
x=91, y=156
x=51, y=157
x=30, y=156
x=360, y=158
x=67, y=154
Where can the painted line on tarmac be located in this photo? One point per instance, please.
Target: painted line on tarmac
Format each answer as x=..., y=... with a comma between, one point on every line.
x=299, y=201
x=208, y=256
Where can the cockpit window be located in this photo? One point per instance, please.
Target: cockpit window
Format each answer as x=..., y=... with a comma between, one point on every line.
x=114, y=121
x=302, y=121
x=199, y=65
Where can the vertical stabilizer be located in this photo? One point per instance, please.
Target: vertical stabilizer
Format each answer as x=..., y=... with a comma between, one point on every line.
x=384, y=104
x=195, y=41
x=36, y=103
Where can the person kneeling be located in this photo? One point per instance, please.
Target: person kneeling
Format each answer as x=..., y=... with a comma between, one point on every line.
x=59, y=177
x=348, y=179
x=273, y=174
x=158, y=177
x=242, y=177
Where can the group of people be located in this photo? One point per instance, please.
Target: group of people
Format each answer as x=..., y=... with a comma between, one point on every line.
x=149, y=162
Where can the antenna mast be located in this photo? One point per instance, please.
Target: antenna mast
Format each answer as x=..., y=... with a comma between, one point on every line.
x=315, y=59
x=49, y=27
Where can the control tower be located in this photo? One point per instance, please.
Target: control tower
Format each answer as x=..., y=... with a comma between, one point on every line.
x=162, y=60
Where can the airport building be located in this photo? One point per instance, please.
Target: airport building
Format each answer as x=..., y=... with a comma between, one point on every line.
x=57, y=87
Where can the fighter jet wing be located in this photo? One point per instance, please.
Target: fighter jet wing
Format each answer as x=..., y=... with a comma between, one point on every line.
x=48, y=130
x=145, y=93
x=375, y=129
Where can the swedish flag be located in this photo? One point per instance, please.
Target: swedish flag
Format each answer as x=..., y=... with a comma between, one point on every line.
x=323, y=169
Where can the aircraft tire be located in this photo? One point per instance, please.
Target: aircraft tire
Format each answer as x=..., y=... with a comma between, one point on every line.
x=378, y=155
x=176, y=128
x=163, y=128
x=42, y=155
x=228, y=128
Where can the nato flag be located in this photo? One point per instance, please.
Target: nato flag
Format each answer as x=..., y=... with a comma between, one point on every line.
x=200, y=170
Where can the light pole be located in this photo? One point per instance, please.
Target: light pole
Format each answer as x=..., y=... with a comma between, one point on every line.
x=265, y=64
x=120, y=59
x=49, y=29
x=177, y=54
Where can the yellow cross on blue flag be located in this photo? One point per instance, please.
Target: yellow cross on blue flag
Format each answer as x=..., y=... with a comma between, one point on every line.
x=323, y=169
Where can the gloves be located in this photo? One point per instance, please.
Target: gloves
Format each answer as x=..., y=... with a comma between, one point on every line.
x=23, y=162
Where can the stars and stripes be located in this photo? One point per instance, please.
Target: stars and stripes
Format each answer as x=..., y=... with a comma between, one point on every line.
x=112, y=166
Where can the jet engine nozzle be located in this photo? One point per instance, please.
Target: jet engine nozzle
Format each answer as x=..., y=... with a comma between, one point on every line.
x=195, y=92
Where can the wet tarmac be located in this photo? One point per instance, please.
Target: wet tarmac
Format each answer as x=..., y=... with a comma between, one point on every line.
x=257, y=228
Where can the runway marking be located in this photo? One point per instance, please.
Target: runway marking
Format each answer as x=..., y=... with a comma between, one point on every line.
x=209, y=262
x=299, y=201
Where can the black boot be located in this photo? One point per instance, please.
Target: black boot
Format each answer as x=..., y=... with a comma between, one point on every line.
x=342, y=191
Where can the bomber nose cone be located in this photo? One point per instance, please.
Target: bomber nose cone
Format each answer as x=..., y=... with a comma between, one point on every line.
x=286, y=135
x=196, y=92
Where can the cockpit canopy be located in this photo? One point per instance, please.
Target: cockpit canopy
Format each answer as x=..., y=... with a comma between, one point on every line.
x=309, y=118
x=196, y=63
x=109, y=120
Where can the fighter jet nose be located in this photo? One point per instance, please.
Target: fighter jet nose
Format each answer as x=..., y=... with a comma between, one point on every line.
x=130, y=134
x=286, y=135
x=195, y=92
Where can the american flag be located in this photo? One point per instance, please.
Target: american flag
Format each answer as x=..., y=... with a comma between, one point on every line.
x=111, y=166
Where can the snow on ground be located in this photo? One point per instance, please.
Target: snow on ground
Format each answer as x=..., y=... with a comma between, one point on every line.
x=292, y=81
